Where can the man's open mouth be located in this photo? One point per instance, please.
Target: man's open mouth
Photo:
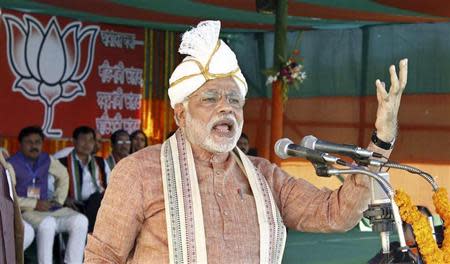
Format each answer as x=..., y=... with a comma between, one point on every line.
x=224, y=127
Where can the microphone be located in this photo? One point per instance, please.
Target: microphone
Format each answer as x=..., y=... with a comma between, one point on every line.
x=344, y=149
x=285, y=148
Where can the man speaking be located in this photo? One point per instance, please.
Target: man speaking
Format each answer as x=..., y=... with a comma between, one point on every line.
x=197, y=198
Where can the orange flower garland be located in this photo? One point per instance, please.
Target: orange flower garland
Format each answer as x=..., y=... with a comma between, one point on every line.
x=422, y=230
x=442, y=205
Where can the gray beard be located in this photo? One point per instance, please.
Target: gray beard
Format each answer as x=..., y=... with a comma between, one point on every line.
x=199, y=133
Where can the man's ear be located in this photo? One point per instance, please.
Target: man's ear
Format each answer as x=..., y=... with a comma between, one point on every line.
x=180, y=115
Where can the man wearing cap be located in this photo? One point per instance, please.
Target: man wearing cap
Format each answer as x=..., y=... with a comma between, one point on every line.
x=197, y=198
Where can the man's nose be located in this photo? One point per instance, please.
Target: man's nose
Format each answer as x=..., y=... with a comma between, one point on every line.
x=224, y=105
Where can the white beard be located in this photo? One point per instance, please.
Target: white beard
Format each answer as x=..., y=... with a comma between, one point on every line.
x=199, y=133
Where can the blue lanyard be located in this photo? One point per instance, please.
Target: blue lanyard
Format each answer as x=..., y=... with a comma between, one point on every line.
x=34, y=174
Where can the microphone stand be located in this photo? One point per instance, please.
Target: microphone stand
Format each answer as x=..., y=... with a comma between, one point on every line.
x=382, y=216
x=390, y=164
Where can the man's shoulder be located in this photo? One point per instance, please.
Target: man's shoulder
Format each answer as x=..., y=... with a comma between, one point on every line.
x=63, y=152
x=148, y=156
x=258, y=160
x=62, y=160
x=57, y=167
x=18, y=157
x=150, y=152
x=143, y=164
x=262, y=164
x=15, y=157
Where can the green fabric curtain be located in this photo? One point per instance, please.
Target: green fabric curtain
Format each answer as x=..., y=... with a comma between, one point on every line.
x=347, y=62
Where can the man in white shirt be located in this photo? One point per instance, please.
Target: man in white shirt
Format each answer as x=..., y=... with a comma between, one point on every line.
x=88, y=175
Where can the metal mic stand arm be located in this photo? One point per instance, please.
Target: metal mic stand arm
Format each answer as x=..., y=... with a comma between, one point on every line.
x=411, y=169
x=407, y=168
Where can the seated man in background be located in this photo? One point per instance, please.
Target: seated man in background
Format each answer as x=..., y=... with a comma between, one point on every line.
x=121, y=144
x=41, y=202
x=88, y=174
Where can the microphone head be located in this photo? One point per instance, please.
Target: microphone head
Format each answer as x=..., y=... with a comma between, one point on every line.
x=281, y=147
x=309, y=142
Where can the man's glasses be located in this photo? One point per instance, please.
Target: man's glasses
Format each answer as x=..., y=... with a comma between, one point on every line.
x=121, y=142
x=211, y=98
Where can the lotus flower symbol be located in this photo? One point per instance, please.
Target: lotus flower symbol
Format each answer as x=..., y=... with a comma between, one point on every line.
x=47, y=61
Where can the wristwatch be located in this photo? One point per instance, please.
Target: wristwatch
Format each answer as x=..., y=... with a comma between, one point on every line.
x=380, y=143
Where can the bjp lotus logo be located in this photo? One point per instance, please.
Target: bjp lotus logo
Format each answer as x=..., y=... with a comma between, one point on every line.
x=50, y=63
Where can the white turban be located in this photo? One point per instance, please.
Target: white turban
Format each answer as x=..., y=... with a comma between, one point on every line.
x=209, y=58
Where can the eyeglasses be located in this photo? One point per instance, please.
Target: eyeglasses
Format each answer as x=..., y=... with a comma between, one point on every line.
x=121, y=142
x=211, y=98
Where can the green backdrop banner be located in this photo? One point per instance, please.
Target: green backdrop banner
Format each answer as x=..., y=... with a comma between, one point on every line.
x=347, y=62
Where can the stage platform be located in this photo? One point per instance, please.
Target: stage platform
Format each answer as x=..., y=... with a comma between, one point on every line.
x=352, y=247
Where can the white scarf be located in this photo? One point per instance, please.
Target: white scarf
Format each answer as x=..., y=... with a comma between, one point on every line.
x=184, y=217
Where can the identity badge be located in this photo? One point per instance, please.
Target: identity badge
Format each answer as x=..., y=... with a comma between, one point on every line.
x=34, y=192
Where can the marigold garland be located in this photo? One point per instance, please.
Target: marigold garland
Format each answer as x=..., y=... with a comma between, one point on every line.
x=428, y=247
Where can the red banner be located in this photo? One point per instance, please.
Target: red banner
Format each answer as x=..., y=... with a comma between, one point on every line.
x=59, y=74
